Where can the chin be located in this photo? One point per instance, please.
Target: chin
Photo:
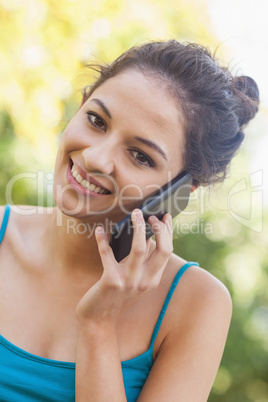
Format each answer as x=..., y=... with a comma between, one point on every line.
x=79, y=208
x=68, y=205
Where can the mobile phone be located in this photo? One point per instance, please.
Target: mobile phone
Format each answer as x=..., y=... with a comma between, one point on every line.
x=173, y=197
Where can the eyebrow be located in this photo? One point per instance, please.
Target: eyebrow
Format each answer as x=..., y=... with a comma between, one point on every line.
x=102, y=105
x=152, y=145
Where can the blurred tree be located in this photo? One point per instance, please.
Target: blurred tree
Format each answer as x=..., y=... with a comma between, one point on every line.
x=242, y=376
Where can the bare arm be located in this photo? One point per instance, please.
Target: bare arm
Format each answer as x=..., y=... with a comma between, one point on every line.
x=189, y=357
x=98, y=366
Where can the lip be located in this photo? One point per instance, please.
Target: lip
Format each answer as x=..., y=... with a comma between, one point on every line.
x=71, y=180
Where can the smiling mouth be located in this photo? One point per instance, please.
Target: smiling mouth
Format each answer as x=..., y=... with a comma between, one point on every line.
x=86, y=184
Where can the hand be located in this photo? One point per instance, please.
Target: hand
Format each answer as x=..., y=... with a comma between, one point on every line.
x=122, y=283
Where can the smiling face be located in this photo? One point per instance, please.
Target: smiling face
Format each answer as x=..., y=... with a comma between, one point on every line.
x=124, y=143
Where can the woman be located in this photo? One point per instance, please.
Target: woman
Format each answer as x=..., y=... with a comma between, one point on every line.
x=75, y=323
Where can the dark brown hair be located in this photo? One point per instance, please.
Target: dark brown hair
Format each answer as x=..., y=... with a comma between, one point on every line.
x=216, y=106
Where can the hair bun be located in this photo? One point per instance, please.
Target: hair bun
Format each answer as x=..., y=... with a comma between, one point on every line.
x=246, y=93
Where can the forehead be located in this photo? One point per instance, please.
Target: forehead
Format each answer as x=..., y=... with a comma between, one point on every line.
x=144, y=105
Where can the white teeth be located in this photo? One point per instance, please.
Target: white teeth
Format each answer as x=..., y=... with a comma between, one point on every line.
x=85, y=183
x=79, y=178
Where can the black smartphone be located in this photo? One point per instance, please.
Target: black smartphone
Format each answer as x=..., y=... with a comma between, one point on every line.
x=173, y=197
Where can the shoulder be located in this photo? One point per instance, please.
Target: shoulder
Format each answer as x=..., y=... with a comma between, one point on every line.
x=199, y=296
x=4, y=216
x=198, y=283
x=25, y=214
x=23, y=223
x=192, y=337
x=17, y=215
x=2, y=211
x=22, y=245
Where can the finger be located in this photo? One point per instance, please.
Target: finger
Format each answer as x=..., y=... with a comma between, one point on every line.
x=106, y=253
x=162, y=227
x=164, y=242
x=139, y=246
x=165, y=236
x=148, y=249
x=167, y=220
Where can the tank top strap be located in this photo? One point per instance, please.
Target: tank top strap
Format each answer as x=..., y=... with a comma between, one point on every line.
x=4, y=222
x=168, y=298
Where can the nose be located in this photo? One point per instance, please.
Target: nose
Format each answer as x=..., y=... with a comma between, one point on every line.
x=99, y=158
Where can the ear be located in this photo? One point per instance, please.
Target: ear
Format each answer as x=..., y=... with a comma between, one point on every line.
x=194, y=187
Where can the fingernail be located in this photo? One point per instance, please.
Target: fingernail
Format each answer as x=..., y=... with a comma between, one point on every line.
x=99, y=230
x=138, y=214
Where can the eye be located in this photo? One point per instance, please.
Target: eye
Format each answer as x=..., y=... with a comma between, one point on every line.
x=142, y=158
x=96, y=120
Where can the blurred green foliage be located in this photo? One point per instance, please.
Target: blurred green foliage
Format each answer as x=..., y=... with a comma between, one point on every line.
x=44, y=47
x=242, y=376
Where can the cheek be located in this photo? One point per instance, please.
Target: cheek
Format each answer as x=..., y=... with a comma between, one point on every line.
x=132, y=195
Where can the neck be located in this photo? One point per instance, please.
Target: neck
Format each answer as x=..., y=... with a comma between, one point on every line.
x=73, y=244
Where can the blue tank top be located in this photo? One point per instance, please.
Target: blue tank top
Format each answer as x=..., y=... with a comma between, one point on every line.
x=25, y=377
